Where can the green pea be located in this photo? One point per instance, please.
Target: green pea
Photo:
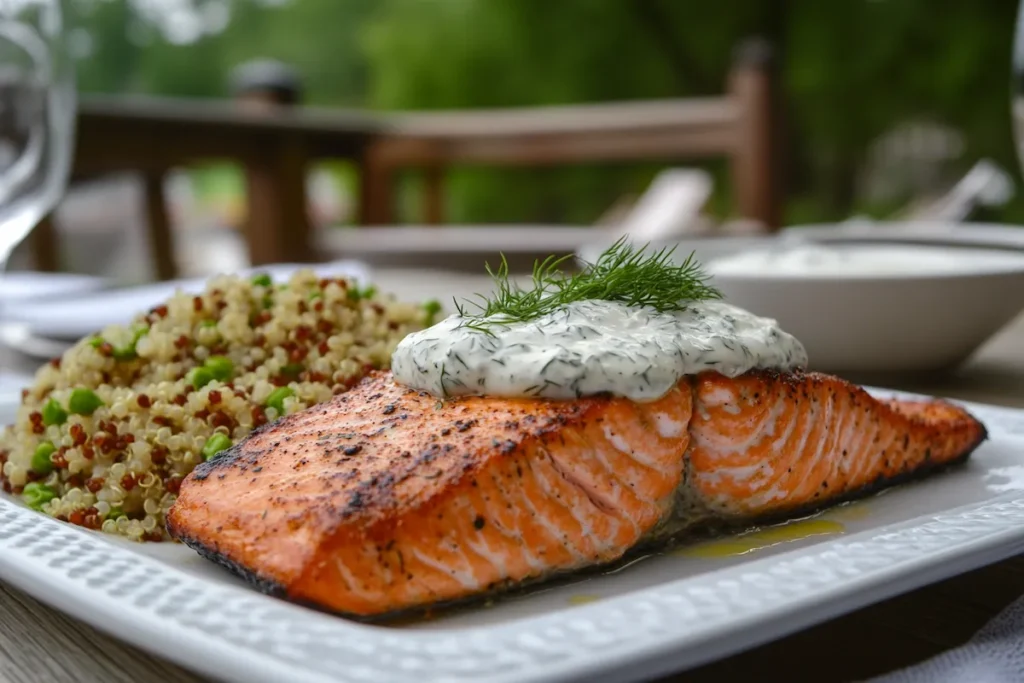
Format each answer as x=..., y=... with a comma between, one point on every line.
x=356, y=294
x=199, y=377
x=115, y=512
x=220, y=367
x=432, y=308
x=127, y=353
x=96, y=342
x=208, y=323
x=293, y=369
x=36, y=495
x=53, y=413
x=41, y=463
x=84, y=402
x=262, y=280
x=316, y=294
x=215, y=444
x=277, y=397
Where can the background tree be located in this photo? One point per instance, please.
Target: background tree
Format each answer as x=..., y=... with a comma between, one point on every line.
x=851, y=70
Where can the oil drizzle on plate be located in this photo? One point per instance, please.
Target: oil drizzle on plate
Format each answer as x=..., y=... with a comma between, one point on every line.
x=718, y=547
x=583, y=599
x=763, y=538
x=855, y=510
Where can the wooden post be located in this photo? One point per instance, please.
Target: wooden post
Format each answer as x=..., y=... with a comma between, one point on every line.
x=433, y=195
x=755, y=155
x=45, y=245
x=161, y=240
x=278, y=226
x=376, y=184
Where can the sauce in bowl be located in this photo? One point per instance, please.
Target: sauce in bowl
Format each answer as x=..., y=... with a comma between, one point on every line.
x=894, y=260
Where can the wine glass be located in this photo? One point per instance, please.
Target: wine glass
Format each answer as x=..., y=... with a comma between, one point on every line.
x=37, y=115
x=1017, y=84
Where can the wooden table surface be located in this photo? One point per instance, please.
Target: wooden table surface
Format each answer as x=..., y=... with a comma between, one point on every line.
x=40, y=645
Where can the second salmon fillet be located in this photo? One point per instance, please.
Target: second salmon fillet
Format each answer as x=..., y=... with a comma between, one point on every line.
x=386, y=499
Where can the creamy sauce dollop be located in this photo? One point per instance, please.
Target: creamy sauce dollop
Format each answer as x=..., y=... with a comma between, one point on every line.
x=593, y=347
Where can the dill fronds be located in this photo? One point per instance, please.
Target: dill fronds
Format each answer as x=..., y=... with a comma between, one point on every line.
x=622, y=273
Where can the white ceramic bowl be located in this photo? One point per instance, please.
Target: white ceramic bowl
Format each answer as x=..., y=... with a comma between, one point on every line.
x=924, y=318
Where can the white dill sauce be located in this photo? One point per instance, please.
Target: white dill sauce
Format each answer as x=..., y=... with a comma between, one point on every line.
x=593, y=347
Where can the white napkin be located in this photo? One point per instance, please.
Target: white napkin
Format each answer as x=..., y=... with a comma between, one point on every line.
x=994, y=655
x=72, y=316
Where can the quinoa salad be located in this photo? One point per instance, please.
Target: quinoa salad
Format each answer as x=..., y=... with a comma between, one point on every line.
x=107, y=432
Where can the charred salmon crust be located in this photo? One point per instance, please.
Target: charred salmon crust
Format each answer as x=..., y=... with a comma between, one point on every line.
x=386, y=501
x=265, y=586
x=408, y=500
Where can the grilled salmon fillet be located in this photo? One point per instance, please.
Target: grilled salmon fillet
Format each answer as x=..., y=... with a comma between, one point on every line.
x=386, y=499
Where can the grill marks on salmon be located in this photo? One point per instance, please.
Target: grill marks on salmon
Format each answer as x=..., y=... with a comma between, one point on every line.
x=764, y=444
x=385, y=499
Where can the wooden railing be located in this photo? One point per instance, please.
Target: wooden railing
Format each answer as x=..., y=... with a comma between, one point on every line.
x=152, y=136
x=741, y=125
x=275, y=145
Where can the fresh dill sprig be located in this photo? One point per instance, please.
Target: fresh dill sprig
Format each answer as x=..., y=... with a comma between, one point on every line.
x=622, y=273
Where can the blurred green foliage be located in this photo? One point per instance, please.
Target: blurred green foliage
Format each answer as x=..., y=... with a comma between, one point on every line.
x=850, y=70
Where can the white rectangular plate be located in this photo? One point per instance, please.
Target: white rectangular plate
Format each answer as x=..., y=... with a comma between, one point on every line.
x=664, y=612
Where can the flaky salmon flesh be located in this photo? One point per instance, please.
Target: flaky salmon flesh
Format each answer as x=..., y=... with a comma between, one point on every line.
x=385, y=499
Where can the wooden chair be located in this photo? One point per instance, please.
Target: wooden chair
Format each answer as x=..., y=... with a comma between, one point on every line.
x=741, y=125
x=276, y=142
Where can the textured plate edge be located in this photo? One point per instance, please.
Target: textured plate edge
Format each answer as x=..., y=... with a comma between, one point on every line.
x=826, y=604
x=146, y=633
x=585, y=641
